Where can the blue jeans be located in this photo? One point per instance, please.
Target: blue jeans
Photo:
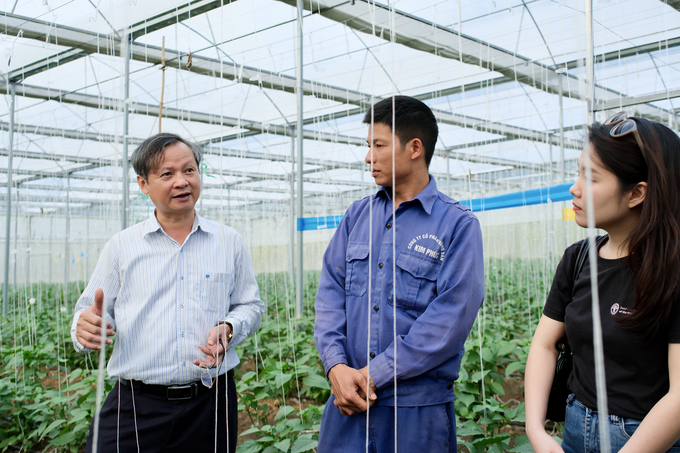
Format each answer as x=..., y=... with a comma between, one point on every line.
x=426, y=429
x=581, y=430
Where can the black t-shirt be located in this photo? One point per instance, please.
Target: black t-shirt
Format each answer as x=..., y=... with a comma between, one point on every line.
x=636, y=375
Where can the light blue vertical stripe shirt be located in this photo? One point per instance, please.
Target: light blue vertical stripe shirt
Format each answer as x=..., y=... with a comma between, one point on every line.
x=164, y=297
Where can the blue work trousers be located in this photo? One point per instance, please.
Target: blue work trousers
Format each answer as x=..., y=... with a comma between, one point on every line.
x=430, y=429
x=581, y=429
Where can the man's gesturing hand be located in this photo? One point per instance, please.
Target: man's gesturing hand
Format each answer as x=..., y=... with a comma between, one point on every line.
x=213, y=348
x=89, y=326
x=349, y=389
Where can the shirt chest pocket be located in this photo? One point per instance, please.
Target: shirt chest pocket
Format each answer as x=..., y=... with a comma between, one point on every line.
x=416, y=281
x=214, y=289
x=356, y=270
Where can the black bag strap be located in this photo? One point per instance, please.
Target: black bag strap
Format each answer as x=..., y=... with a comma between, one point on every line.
x=583, y=256
x=563, y=344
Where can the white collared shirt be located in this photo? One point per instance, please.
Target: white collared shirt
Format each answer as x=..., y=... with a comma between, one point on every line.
x=163, y=298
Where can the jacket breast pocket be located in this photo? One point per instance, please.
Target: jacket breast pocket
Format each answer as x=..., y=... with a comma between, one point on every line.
x=416, y=281
x=356, y=269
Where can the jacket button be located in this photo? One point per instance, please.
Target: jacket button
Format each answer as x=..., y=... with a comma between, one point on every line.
x=389, y=225
x=380, y=265
x=372, y=355
x=449, y=387
x=376, y=308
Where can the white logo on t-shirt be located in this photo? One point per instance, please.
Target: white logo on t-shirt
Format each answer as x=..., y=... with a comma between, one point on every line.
x=620, y=310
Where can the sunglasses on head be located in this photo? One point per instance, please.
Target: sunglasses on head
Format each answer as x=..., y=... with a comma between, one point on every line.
x=624, y=125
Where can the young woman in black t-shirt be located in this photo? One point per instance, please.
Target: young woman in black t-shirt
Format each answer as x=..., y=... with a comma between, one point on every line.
x=636, y=200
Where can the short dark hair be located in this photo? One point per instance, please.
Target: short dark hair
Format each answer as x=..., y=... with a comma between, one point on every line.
x=413, y=119
x=149, y=155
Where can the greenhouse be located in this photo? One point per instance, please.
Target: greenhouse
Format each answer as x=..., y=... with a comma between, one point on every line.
x=274, y=92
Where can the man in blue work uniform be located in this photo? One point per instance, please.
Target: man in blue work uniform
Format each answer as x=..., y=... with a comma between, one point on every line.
x=417, y=271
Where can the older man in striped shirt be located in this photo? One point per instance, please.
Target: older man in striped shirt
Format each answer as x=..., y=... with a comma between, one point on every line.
x=181, y=292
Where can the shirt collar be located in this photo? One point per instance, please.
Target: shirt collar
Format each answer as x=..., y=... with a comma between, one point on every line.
x=153, y=225
x=426, y=197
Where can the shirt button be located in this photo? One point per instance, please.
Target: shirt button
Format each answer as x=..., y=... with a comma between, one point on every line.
x=449, y=387
x=181, y=278
x=380, y=265
x=182, y=334
x=376, y=308
x=181, y=306
x=372, y=355
x=389, y=225
x=184, y=364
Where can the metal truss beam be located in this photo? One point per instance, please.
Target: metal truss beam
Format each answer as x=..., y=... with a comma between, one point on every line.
x=106, y=103
x=366, y=16
x=100, y=43
x=637, y=100
x=137, y=30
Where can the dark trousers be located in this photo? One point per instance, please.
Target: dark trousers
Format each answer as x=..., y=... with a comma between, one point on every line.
x=426, y=429
x=167, y=426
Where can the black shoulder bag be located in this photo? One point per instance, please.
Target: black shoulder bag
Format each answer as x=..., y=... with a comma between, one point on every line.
x=557, y=401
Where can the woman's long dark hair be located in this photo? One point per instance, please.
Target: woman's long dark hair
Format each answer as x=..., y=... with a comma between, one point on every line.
x=654, y=242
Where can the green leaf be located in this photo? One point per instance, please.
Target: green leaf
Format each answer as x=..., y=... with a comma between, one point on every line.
x=282, y=378
x=304, y=444
x=496, y=438
x=51, y=427
x=469, y=428
x=249, y=446
x=64, y=439
x=252, y=430
x=466, y=398
x=522, y=448
x=506, y=348
x=514, y=367
x=284, y=412
x=478, y=375
x=314, y=380
x=283, y=445
x=497, y=388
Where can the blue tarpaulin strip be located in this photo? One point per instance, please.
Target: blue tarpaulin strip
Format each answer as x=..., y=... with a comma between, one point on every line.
x=318, y=223
x=559, y=192
x=556, y=193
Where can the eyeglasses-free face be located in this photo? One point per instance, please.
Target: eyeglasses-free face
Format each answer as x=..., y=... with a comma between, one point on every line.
x=624, y=125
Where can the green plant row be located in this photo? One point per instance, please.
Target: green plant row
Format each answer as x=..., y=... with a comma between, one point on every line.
x=48, y=391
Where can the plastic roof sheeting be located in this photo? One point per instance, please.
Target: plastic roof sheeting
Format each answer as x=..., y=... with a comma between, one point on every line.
x=491, y=71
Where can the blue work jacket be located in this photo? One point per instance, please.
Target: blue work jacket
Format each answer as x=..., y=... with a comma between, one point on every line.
x=439, y=285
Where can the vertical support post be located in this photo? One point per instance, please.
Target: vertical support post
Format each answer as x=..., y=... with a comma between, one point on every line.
x=126, y=134
x=8, y=209
x=27, y=281
x=598, y=347
x=300, y=194
x=86, y=271
x=448, y=173
x=66, y=235
x=562, y=173
x=291, y=209
x=51, y=251
x=16, y=239
x=590, y=62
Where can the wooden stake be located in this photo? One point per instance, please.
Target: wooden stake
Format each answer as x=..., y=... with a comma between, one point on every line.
x=160, y=109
